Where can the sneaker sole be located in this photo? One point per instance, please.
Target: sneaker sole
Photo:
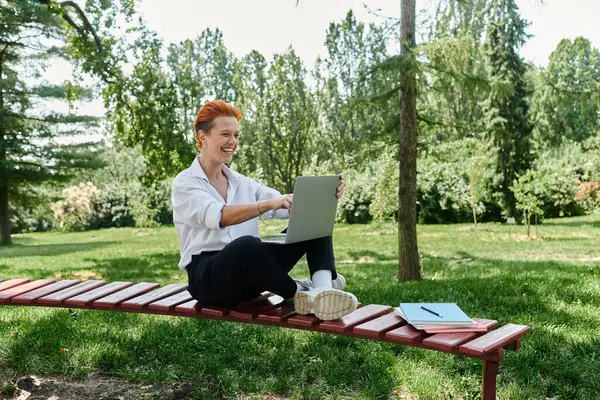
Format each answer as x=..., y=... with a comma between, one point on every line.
x=303, y=303
x=326, y=305
x=333, y=304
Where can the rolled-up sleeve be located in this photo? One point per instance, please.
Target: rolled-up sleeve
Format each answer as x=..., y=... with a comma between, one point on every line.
x=266, y=193
x=194, y=206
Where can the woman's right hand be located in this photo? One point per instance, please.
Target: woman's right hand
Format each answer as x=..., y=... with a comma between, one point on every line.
x=282, y=202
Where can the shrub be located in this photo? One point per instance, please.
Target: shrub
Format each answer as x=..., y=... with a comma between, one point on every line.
x=78, y=210
x=454, y=179
x=385, y=174
x=354, y=206
x=113, y=207
x=556, y=174
x=588, y=195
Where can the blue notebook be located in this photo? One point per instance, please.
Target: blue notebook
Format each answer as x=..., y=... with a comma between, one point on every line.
x=439, y=314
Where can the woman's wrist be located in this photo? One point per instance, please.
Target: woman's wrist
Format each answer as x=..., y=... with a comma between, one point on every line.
x=265, y=205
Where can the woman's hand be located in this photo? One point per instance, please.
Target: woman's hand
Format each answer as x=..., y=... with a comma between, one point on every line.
x=280, y=203
x=340, y=188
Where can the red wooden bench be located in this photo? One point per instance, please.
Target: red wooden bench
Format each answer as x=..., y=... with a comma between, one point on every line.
x=373, y=321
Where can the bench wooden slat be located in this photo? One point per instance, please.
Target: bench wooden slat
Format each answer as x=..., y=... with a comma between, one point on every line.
x=304, y=321
x=169, y=303
x=216, y=311
x=12, y=283
x=378, y=326
x=31, y=297
x=405, y=334
x=450, y=341
x=14, y=291
x=493, y=340
x=139, y=302
x=489, y=323
x=116, y=298
x=278, y=315
x=359, y=316
x=58, y=297
x=191, y=307
x=251, y=310
x=87, y=297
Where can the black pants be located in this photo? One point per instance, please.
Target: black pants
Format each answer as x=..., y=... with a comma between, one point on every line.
x=247, y=267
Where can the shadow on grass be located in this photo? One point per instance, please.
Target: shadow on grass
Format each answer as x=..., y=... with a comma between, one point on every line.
x=19, y=250
x=561, y=350
x=558, y=358
x=357, y=255
x=155, y=268
x=161, y=268
x=558, y=222
x=219, y=357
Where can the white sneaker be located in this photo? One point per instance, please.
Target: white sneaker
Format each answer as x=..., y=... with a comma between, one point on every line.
x=338, y=283
x=304, y=284
x=325, y=304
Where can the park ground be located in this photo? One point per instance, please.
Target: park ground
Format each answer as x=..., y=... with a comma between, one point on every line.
x=550, y=282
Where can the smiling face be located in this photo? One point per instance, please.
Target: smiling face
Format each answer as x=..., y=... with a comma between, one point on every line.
x=221, y=140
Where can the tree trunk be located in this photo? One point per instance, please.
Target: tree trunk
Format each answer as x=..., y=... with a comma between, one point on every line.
x=4, y=217
x=409, y=267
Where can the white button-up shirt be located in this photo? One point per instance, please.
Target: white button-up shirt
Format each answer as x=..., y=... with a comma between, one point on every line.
x=197, y=210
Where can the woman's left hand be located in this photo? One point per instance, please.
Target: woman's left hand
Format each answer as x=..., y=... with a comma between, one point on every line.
x=340, y=188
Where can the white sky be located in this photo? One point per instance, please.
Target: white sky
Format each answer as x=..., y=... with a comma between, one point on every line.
x=271, y=26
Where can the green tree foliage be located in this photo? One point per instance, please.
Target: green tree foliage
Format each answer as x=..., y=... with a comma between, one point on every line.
x=346, y=81
x=279, y=118
x=155, y=105
x=506, y=107
x=527, y=192
x=33, y=34
x=455, y=84
x=566, y=102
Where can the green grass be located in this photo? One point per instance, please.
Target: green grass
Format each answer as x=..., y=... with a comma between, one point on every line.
x=551, y=283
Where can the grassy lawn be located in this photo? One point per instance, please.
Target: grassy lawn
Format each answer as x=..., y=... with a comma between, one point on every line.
x=551, y=283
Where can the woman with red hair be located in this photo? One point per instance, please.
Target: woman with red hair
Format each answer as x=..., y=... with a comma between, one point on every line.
x=216, y=211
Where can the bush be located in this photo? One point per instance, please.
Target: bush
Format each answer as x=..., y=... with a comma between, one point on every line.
x=78, y=210
x=588, y=195
x=385, y=175
x=354, y=206
x=453, y=179
x=556, y=172
x=113, y=207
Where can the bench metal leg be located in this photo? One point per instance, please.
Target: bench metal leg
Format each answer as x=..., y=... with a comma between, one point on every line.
x=488, y=385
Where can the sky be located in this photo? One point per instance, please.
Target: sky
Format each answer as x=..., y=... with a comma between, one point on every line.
x=270, y=26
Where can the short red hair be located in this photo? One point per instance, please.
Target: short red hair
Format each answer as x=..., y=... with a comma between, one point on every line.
x=209, y=112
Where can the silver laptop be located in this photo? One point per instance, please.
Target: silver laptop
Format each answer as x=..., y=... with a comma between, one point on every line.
x=313, y=210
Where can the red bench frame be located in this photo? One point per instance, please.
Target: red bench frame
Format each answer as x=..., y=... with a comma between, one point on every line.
x=373, y=322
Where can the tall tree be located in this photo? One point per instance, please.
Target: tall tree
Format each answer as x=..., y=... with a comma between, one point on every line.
x=150, y=114
x=506, y=108
x=409, y=266
x=454, y=87
x=31, y=34
x=251, y=85
x=155, y=106
x=566, y=102
x=351, y=119
x=290, y=117
x=279, y=117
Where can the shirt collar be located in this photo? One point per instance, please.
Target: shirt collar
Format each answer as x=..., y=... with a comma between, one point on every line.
x=197, y=171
